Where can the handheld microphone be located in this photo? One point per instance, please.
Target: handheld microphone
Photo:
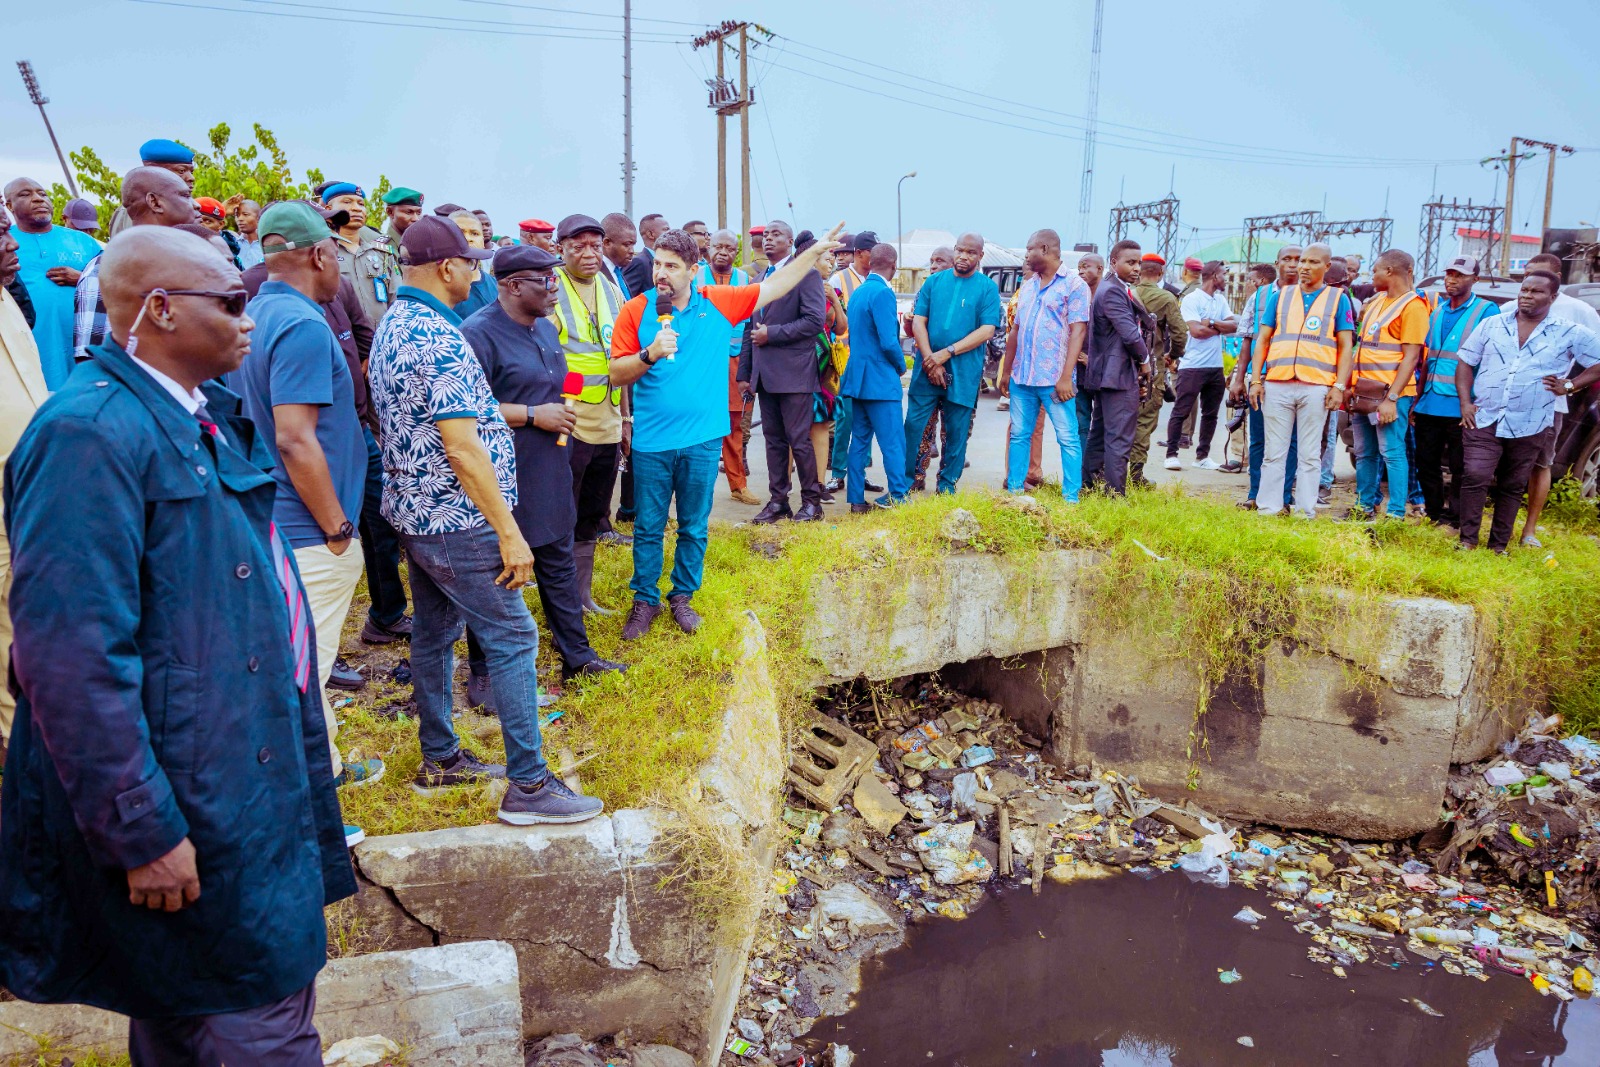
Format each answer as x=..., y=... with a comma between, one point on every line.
x=571, y=387
x=664, y=316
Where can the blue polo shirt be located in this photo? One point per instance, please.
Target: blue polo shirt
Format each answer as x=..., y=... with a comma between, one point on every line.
x=955, y=306
x=684, y=401
x=295, y=359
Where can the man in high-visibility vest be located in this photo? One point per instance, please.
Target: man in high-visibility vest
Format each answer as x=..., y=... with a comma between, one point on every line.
x=1394, y=328
x=1298, y=373
x=1437, y=414
x=587, y=304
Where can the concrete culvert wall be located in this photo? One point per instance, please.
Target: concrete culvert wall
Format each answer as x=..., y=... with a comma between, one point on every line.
x=1350, y=732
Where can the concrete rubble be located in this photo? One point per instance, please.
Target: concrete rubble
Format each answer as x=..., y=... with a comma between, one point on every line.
x=960, y=801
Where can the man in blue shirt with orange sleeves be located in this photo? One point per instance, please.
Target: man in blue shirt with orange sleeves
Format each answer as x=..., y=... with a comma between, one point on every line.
x=671, y=344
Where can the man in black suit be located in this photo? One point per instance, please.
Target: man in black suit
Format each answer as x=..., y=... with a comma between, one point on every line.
x=778, y=364
x=1119, y=368
x=639, y=274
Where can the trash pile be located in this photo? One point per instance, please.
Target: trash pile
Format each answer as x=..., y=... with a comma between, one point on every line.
x=910, y=801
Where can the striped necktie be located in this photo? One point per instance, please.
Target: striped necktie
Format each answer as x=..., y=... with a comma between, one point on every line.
x=293, y=595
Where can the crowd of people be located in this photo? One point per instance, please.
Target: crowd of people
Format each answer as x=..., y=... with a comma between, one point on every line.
x=219, y=420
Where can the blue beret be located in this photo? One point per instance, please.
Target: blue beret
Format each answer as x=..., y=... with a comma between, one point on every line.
x=341, y=189
x=162, y=150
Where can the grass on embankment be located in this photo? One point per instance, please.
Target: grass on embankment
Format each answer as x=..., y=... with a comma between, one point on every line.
x=1231, y=583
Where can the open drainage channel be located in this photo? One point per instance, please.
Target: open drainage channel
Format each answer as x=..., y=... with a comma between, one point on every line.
x=950, y=895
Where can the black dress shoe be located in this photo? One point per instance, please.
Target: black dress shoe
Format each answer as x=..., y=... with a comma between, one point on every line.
x=861, y=509
x=375, y=633
x=593, y=668
x=871, y=488
x=772, y=513
x=808, y=513
x=344, y=676
x=827, y=497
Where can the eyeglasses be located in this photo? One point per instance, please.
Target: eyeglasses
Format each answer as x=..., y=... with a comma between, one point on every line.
x=699, y=233
x=551, y=282
x=233, y=300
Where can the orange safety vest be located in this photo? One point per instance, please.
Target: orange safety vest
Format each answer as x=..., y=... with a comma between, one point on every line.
x=1304, y=346
x=1378, y=357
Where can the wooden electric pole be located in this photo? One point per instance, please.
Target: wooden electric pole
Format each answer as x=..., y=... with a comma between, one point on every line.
x=726, y=100
x=1549, y=174
x=1511, y=187
x=627, y=108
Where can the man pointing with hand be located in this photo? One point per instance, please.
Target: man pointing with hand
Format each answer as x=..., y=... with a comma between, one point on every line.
x=679, y=412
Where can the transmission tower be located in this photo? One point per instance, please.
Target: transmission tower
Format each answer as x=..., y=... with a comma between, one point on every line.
x=1089, y=126
x=1162, y=214
x=1435, y=215
x=1380, y=229
x=1302, y=224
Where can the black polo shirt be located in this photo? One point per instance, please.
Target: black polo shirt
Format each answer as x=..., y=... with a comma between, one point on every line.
x=525, y=366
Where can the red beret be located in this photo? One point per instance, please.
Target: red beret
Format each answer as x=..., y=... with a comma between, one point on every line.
x=537, y=226
x=210, y=205
x=1193, y=264
x=757, y=231
x=1152, y=257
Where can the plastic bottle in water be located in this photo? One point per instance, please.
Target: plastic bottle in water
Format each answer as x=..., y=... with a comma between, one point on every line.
x=1438, y=935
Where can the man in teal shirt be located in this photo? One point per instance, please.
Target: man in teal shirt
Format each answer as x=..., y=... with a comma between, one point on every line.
x=955, y=314
x=52, y=258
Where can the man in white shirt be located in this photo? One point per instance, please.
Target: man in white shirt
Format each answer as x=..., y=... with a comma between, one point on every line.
x=1575, y=311
x=1210, y=318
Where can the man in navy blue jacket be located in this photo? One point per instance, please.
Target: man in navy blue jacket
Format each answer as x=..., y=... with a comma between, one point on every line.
x=169, y=833
x=1119, y=365
x=872, y=382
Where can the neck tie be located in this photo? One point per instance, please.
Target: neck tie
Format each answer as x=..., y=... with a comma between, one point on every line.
x=293, y=595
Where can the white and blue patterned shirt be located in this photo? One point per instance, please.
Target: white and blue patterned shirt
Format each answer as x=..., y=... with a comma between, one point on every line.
x=422, y=371
x=1507, y=386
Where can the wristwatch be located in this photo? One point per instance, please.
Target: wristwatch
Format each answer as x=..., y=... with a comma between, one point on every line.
x=346, y=532
x=1567, y=385
x=644, y=357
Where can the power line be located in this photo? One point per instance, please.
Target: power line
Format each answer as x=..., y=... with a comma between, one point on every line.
x=1078, y=122
x=509, y=29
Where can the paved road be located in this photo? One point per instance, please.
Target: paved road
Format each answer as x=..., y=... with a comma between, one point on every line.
x=986, y=452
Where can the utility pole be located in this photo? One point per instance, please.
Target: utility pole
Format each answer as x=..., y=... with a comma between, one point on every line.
x=39, y=100
x=1511, y=185
x=627, y=108
x=1549, y=174
x=1087, y=193
x=726, y=100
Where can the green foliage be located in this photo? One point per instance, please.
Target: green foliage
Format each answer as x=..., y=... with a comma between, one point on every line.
x=259, y=171
x=98, y=182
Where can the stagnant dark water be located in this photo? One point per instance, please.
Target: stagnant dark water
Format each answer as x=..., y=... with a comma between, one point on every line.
x=1124, y=972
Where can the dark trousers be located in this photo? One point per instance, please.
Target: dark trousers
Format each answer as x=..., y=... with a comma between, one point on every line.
x=1438, y=452
x=1113, y=417
x=786, y=426
x=594, y=477
x=1206, y=384
x=625, y=511
x=1088, y=477
x=1506, y=462
x=380, y=545
x=557, y=578
x=280, y=1034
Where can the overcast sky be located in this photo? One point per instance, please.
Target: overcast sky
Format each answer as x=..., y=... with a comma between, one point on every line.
x=1259, y=107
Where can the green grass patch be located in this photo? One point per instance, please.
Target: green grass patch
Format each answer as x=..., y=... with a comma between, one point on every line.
x=1229, y=584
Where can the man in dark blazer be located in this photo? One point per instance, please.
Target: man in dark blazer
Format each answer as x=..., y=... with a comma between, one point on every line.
x=1119, y=365
x=778, y=365
x=169, y=832
x=872, y=381
x=639, y=275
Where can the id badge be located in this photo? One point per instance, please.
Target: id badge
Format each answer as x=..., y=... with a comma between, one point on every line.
x=380, y=290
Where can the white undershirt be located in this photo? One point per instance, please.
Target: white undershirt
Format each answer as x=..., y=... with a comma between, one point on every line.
x=191, y=401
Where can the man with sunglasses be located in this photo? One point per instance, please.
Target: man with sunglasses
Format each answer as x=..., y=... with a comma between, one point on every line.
x=298, y=390
x=449, y=484
x=169, y=752
x=517, y=345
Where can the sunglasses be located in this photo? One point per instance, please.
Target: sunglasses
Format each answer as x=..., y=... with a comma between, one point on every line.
x=233, y=300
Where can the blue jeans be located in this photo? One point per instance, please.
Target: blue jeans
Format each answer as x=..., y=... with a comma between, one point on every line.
x=957, y=428
x=1025, y=403
x=1388, y=444
x=1330, y=450
x=453, y=581
x=690, y=475
x=885, y=420
x=1258, y=454
x=380, y=545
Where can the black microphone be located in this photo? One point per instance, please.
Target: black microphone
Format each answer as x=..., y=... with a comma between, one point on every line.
x=664, y=314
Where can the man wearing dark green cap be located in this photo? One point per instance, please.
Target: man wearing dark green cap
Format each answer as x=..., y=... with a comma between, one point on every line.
x=403, y=206
x=298, y=390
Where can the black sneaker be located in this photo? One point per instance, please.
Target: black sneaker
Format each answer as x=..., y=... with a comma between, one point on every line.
x=375, y=633
x=873, y=487
x=344, y=676
x=549, y=801
x=594, y=668
x=480, y=694
x=613, y=537
x=461, y=769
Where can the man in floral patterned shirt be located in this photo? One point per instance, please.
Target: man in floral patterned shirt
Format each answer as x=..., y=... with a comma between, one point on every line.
x=449, y=484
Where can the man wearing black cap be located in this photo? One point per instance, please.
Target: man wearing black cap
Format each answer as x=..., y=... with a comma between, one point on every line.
x=587, y=305
x=450, y=482
x=778, y=365
x=521, y=354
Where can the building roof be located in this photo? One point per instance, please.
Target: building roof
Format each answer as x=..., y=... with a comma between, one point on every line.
x=1518, y=238
x=1231, y=250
